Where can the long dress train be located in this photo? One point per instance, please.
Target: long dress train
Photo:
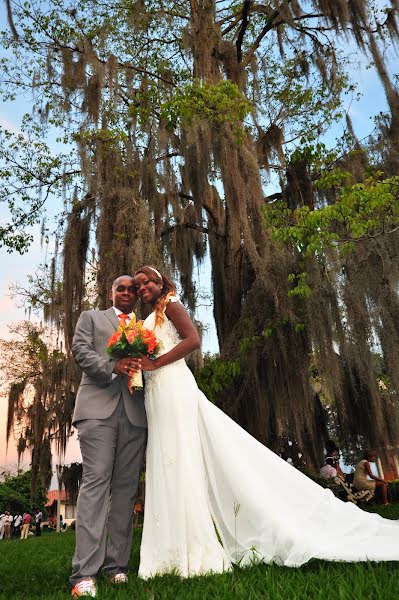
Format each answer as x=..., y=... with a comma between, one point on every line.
x=216, y=496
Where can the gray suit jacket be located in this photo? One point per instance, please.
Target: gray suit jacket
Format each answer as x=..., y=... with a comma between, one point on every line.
x=99, y=393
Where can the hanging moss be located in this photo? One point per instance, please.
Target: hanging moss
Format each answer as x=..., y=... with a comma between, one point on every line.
x=76, y=244
x=71, y=477
x=41, y=399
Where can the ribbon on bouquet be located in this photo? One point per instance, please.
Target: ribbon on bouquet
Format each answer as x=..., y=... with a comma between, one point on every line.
x=135, y=382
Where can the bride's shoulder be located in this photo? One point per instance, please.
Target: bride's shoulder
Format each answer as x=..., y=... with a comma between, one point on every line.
x=173, y=307
x=174, y=304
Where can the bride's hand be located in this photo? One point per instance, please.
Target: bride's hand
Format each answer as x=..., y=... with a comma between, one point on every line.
x=147, y=364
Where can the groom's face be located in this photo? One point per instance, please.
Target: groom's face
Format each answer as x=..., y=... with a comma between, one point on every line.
x=123, y=294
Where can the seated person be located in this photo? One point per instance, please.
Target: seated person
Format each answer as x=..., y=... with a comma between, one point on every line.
x=328, y=470
x=334, y=453
x=363, y=472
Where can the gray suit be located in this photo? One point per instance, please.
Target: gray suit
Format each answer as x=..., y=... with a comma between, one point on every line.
x=112, y=434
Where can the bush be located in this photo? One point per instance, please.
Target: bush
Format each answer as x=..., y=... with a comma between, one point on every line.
x=15, y=493
x=216, y=376
x=12, y=500
x=393, y=490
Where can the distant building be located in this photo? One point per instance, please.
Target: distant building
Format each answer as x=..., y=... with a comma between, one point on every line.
x=67, y=510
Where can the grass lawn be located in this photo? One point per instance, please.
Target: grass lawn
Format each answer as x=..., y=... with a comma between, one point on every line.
x=39, y=568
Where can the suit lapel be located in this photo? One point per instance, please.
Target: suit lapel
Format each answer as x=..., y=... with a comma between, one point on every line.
x=110, y=313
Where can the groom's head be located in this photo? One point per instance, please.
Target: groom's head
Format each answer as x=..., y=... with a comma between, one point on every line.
x=123, y=293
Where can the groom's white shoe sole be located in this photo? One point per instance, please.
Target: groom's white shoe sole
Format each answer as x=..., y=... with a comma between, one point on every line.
x=119, y=578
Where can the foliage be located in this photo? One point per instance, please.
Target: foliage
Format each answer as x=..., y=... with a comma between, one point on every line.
x=301, y=288
x=15, y=493
x=217, y=104
x=31, y=174
x=12, y=500
x=362, y=210
x=216, y=376
x=393, y=491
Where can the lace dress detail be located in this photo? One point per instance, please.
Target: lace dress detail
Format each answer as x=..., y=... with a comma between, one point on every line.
x=169, y=338
x=204, y=472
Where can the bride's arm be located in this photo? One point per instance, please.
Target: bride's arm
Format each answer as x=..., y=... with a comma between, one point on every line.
x=190, y=339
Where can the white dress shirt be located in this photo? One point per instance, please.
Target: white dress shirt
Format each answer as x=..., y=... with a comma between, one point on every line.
x=120, y=312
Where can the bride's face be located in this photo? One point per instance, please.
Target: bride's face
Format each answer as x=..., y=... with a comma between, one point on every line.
x=147, y=290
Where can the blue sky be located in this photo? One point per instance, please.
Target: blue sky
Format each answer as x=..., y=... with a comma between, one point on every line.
x=15, y=267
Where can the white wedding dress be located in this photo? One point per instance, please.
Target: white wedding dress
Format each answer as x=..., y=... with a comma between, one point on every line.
x=206, y=474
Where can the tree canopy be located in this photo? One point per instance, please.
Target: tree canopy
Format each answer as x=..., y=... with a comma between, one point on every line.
x=15, y=493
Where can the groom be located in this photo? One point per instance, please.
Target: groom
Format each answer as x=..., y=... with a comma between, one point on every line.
x=112, y=434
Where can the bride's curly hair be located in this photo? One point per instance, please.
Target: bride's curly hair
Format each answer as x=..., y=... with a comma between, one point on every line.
x=168, y=290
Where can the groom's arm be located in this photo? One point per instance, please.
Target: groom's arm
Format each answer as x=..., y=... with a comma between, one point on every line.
x=97, y=366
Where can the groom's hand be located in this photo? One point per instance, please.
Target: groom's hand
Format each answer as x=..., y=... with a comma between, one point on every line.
x=127, y=366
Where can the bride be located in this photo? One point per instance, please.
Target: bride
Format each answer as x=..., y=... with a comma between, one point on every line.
x=216, y=496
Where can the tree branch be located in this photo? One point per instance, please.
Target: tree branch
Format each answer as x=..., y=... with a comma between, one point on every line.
x=56, y=44
x=167, y=155
x=208, y=210
x=273, y=197
x=194, y=226
x=229, y=17
x=232, y=25
x=269, y=25
x=241, y=33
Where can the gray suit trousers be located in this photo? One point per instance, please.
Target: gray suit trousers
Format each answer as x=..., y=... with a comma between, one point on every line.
x=112, y=452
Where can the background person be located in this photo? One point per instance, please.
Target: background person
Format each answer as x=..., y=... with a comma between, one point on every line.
x=363, y=472
x=328, y=471
x=8, y=519
x=26, y=519
x=38, y=522
x=334, y=452
x=17, y=525
x=2, y=521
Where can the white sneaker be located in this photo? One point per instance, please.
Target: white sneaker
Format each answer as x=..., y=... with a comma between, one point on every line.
x=119, y=578
x=85, y=588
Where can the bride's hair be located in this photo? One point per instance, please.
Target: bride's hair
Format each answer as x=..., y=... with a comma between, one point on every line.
x=168, y=290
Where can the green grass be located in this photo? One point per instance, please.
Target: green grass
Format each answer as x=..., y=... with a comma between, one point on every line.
x=388, y=512
x=38, y=568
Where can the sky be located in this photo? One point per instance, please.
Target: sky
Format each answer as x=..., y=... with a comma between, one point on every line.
x=15, y=268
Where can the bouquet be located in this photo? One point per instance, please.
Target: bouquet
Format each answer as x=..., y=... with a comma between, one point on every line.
x=133, y=340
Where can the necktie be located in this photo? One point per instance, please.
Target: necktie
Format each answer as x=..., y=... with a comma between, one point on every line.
x=123, y=319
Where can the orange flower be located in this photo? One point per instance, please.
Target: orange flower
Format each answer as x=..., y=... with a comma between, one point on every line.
x=115, y=337
x=149, y=335
x=130, y=335
x=150, y=340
